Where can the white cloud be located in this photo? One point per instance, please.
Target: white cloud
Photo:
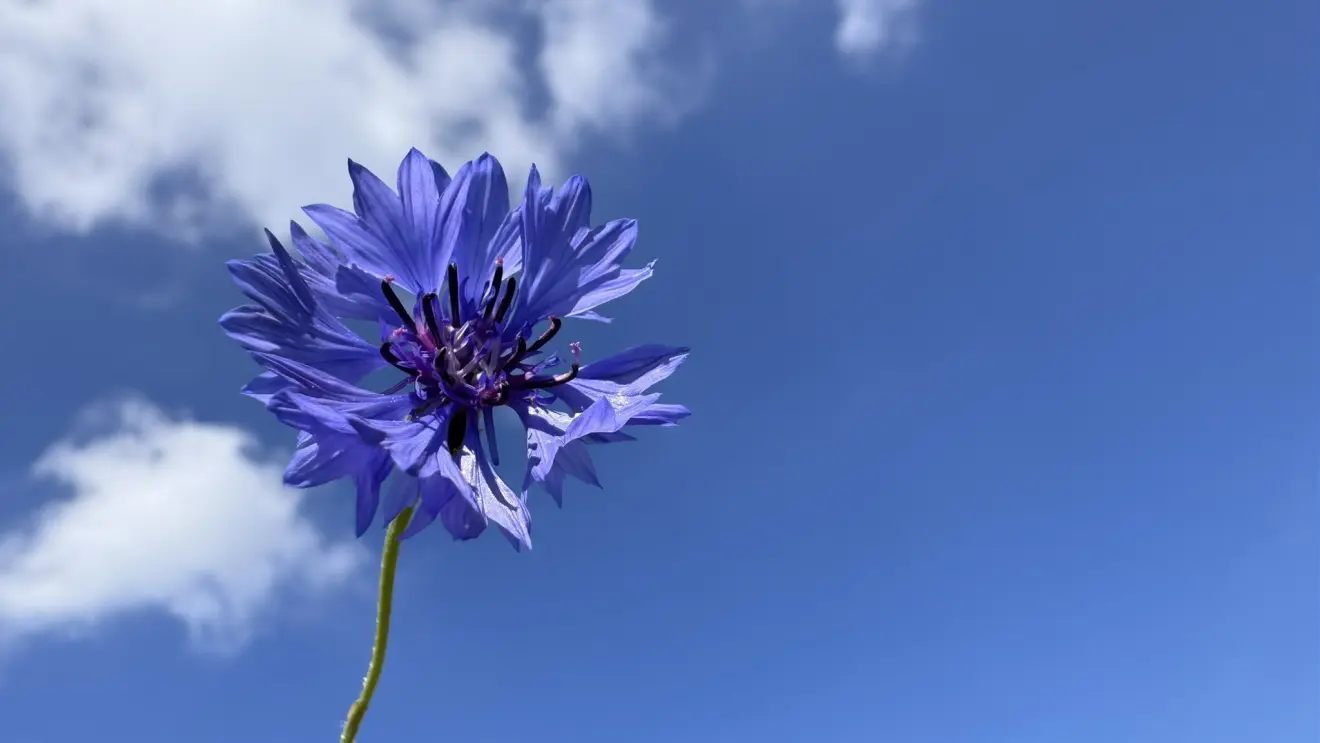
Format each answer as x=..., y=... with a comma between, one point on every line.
x=870, y=26
x=261, y=100
x=587, y=43
x=169, y=515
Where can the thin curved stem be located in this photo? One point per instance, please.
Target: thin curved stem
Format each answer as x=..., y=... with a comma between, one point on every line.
x=388, y=562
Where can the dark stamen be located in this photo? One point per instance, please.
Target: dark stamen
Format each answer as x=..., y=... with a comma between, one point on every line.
x=441, y=367
x=457, y=431
x=555, y=325
x=428, y=312
x=488, y=417
x=387, y=353
x=518, y=354
x=543, y=383
x=394, y=388
x=425, y=408
x=508, y=299
x=398, y=307
x=452, y=275
x=495, y=284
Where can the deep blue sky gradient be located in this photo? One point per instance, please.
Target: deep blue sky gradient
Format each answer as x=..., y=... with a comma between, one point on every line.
x=1006, y=395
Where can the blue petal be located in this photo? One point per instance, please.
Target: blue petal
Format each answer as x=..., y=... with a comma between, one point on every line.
x=545, y=428
x=553, y=484
x=480, y=214
x=324, y=417
x=301, y=293
x=535, y=244
x=381, y=210
x=545, y=249
x=442, y=178
x=602, y=248
x=568, y=268
x=488, y=422
x=327, y=420
x=313, y=379
x=546, y=434
x=593, y=316
x=421, y=183
x=364, y=248
x=572, y=206
x=419, y=192
x=264, y=385
x=314, y=464
x=437, y=494
x=360, y=294
x=423, y=515
x=335, y=350
x=506, y=244
x=322, y=278
x=650, y=363
x=262, y=280
x=624, y=376
x=319, y=256
x=403, y=491
x=610, y=438
x=660, y=414
x=606, y=415
x=292, y=277
x=417, y=447
x=462, y=520
x=503, y=506
x=330, y=457
x=575, y=459
x=368, y=481
x=289, y=319
x=495, y=501
x=412, y=444
x=353, y=238
x=594, y=294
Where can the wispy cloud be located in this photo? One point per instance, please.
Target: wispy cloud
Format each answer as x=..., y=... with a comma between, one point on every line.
x=167, y=515
x=107, y=107
x=867, y=27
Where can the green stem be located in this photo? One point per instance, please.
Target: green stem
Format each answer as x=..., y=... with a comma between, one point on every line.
x=388, y=562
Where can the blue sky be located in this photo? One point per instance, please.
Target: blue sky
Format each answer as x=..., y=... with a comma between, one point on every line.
x=1005, y=381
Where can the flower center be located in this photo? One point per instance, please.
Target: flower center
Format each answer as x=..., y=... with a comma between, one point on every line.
x=466, y=360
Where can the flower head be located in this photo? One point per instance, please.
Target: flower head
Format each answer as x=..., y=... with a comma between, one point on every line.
x=470, y=299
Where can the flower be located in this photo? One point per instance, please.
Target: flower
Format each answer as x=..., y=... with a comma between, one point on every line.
x=469, y=297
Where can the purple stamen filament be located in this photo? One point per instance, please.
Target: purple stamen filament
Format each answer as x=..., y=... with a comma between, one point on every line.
x=461, y=366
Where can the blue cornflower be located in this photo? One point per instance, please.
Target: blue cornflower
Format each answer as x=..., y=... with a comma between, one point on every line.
x=469, y=298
